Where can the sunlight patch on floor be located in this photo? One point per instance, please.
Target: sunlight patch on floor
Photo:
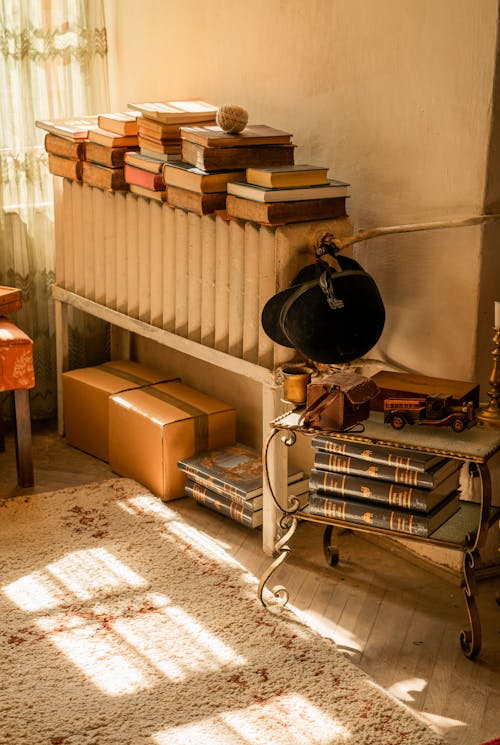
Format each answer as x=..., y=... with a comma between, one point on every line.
x=286, y=719
x=440, y=724
x=80, y=574
x=402, y=689
x=329, y=629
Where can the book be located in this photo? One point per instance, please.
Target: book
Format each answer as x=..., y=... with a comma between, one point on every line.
x=223, y=504
x=280, y=213
x=187, y=176
x=237, y=158
x=300, y=174
x=66, y=167
x=112, y=157
x=159, y=157
x=140, y=177
x=377, y=516
x=399, y=475
x=197, y=202
x=386, y=456
x=71, y=129
x=65, y=148
x=146, y=162
x=235, y=470
x=110, y=139
x=159, y=147
x=157, y=130
x=256, y=134
x=105, y=178
x=289, y=194
x=121, y=122
x=179, y=111
x=366, y=490
x=143, y=191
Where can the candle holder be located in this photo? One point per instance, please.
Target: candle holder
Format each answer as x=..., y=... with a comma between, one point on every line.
x=489, y=416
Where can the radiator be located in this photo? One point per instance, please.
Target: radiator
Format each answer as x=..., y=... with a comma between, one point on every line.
x=202, y=278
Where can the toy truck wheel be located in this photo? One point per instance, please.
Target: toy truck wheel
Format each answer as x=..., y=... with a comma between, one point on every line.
x=397, y=421
x=458, y=425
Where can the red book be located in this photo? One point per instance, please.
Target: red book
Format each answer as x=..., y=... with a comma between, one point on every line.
x=140, y=177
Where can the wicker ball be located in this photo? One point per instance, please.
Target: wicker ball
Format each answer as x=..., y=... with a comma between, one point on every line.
x=231, y=118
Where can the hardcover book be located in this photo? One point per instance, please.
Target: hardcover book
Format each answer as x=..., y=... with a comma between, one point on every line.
x=300, y=174
x=172, y=147
x=384, y=492
x=141, y=177
x=361, y=467
x=157, y=130
x=112, y=157
x=256, y=134
x=66, y=167
x=110, y=139
x=290, y=194
x=120, y=122
x=65, y=148
x=187, y=176
x=146, y=162
x=376, y=516
x=71, y=129
x=237, y=158
x=383, y=455
x=197, y=202
x=173, y=112
x=111, y=179
x=235, y=470
x=221, y=503
x=143, y=191
x=280, y=213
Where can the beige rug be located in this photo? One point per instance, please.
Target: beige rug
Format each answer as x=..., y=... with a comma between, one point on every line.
x=121, y=624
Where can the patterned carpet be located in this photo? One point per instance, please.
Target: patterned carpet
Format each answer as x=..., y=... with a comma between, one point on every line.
x=123, y=625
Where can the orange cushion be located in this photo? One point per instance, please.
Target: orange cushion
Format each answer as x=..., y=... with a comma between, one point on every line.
x=16, y=357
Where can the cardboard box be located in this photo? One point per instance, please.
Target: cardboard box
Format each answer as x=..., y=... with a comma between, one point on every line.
x=151, y=429
x=85, y=400
x=408, y=385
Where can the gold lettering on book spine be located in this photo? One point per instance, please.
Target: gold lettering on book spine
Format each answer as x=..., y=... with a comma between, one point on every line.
x=334, y=447
x=341, y=464
x=400, y=497
x=368, y=518
x=366, y=453
x=398, y=460
x=405, y=476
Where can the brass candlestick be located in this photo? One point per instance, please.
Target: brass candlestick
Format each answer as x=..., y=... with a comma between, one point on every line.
x=489, y=416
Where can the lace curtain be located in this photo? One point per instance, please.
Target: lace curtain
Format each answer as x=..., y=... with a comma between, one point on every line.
x=53, y=63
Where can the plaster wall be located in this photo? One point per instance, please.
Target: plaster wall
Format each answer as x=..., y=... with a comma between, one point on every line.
x=397, y=98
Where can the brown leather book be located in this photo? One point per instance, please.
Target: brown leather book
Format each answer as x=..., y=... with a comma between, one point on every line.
x=280, y=213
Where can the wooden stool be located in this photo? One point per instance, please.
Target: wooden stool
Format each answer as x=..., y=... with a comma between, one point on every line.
x=17, y=374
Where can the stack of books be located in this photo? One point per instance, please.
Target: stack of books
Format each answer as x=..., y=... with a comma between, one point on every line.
x=66, y=142
x=115, y=135
x=160, y=122
x=229, y=480
x=211, y=158
x=380, y=487
x=278, y=195
x=143, y=174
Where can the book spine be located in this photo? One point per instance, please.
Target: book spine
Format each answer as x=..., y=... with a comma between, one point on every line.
x=384, y=456
x=214, y=483
x=358, y=467
x=220, y=159
x=64, y=148
x=370, y=515
x=383, y=492
x=144, y=178
x=230, y=509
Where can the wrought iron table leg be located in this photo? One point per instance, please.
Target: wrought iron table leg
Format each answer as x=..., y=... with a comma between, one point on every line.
x=279, y=592
x=330, y=550
x=470, y=640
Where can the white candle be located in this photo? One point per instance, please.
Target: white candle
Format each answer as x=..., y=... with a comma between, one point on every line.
x=497, y=314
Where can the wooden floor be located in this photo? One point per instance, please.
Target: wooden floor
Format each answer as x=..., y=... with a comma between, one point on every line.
x=395, y=618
